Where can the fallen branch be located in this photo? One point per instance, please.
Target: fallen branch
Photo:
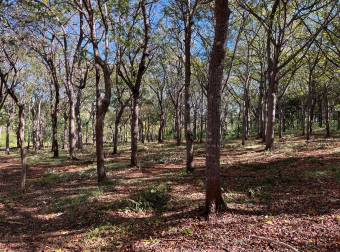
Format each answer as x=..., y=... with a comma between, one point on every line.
x=277, y=242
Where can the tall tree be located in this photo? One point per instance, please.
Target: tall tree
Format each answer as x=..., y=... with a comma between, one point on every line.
x=214, y=200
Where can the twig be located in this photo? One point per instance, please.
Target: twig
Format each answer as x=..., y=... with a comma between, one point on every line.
x=277, y=242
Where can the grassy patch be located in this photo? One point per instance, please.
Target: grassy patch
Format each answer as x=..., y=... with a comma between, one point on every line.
x=73, y=202
x=329, y=172
x=153, y=198
x=106, y=234
x=49, y=179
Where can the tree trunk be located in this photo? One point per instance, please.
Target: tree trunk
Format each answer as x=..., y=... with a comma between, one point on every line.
x=100, y=144
x=214, y=200
x=72, y=128
x=119, y=114
x=177, y=125
x=338, y=127
x=22, y=146
x=195, y=125
x=134, y=130
x=264, y=117
x=65, y=131
x=161, y=126
x=271, y=113
x=79, y=121
x=281, y=115
x=187, y=94
x=8, y=127
x=320, y=113
x=328, y=130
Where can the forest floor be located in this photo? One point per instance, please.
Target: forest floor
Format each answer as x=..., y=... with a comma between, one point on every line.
x=277, y=201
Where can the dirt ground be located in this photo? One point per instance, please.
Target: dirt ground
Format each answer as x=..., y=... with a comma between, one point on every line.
x=284, y=200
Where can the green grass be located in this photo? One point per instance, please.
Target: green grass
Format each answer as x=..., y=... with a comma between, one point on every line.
x=49, y=179
x=71, y=203
x=154, y=198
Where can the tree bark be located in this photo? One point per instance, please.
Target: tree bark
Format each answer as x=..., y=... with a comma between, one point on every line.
x=65, y=131
x=8, y=127
x=72, y=134
x=161, y=124
x=22, y=146
x=187, y=94
x=177, y=125
x=134, y=129
x=271, y=112
x=79, y=121
x=328, y=130
x=214, y=200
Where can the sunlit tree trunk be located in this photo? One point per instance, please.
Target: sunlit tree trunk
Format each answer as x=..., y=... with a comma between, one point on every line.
x=214, y=200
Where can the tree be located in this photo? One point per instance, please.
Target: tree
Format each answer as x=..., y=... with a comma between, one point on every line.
x=214, y=200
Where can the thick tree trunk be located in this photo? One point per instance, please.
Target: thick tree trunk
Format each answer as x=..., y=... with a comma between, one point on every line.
x=22, y=146
x=134, y=130
x=214, y=200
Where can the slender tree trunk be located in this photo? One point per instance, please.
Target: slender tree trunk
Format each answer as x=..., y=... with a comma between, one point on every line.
x=161, y=126
x=65, y=131
x=141, y=131
x=281, y=119
x=214, y=200
x=271, y=113
x=328, y=130
x=79, y=121
x=39, y=128
x=119, y=114
x=338, y=127
x=72, y=128
x=8, y=127
x=100, y=144
x=195, y=125
x=177, y=125
x=134, y=130
x=320, y=113
x=28, y=128
x=264, y=117
x=244, y=123
x=259, y=111
x=187, y=94
x=22, y=146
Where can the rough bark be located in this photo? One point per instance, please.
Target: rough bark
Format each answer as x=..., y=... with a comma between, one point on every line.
x=22, y=146
x=134, y=129
x=187, y=94
x=214, y=200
